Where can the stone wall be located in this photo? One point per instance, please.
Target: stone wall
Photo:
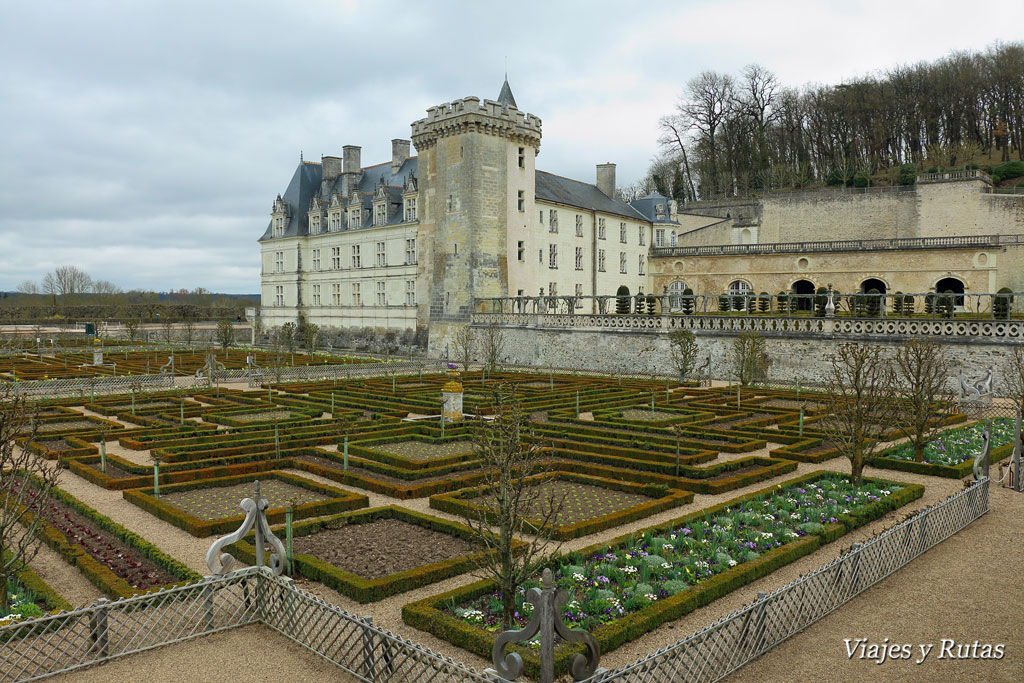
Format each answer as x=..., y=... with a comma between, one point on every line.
x=642, y=351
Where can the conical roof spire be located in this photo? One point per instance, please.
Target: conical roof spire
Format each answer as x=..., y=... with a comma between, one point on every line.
x=505, y=96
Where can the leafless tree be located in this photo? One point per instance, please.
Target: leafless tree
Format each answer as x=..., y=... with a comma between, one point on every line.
x=464, y=342
x=750, y=360
x=28, y=287
x=684, y=350
x=494, y=346
x=131, y=326
x=513, y=506
x=225, y=334
x=860, y=388
x=25, y=483
x=188, y=326
x=167, y=328
x=71, y=281
x=1013, y=371
x=921, y=381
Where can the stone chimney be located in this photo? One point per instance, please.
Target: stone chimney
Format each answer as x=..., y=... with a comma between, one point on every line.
x=606, y=179
x=351, y=154
x=399, y=153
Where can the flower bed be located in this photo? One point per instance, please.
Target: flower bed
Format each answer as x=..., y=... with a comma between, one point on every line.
x=952, y=453
x=30, y=597
x=328, y=500
x=434, y=532
x=592, y=504
x=634, y=584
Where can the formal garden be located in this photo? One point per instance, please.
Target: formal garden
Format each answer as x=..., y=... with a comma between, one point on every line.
x=647, y=498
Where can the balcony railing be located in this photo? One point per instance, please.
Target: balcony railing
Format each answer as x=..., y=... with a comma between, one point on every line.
x=909, y=243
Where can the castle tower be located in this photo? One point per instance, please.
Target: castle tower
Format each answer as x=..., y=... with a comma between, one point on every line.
x=476, y=182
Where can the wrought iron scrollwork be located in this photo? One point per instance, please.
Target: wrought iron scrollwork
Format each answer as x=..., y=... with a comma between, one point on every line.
x=255, y=516
x=545, y=621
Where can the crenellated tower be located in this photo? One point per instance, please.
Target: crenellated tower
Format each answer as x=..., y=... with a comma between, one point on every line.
x=476, y=183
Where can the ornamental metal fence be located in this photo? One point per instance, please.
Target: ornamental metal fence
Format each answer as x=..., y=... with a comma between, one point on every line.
x=712, y=653
x=313, y=373
x=107, y=630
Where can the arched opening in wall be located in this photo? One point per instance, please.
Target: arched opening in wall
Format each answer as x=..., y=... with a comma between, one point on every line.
x=803, y=292
x=872, y=283
x=738, y=295
x=745, y=236
x=622, y=300
x=954, y=286
x=676, y=290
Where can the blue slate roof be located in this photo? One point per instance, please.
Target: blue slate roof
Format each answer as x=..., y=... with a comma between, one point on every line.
x=648, y=207
x=555, y=188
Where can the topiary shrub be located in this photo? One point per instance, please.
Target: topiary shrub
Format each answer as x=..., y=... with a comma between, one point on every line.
x=687, y=302
x=1001, y=303
x=908, y=304
x=764, y=302
x=944, y=305
x=820, y=301
x=873, y=302
x=723, y=303
x=897, y=303
x=782, y=299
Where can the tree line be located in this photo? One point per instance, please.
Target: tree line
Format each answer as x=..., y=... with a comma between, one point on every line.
x=734, y=135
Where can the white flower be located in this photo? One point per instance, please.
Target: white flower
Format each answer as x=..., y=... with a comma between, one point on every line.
x=578, y=577
x=669, y=546
x=666, y=565
x=629, y=569
x=794, y=515
x=732, y=563
x=650, y=596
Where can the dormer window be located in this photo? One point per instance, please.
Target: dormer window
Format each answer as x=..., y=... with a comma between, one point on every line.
x=314, y=225
x=355, y=218
x=279, y=226
x=380, y=213
x=410, y=209
x=659, y=211
x=334, y=220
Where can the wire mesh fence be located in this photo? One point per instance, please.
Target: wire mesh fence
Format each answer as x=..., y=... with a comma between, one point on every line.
x=713, y=652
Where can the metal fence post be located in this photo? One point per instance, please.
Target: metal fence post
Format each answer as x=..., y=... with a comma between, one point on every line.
x=367, y=638
x=855, y=550
x=98, y=629
x=208, y=603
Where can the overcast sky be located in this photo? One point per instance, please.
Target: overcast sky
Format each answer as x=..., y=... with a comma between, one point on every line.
x=145, y=141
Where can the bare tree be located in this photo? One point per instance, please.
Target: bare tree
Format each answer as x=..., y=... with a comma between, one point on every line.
x=921, y=376
x=71, y=281
x=167, y=328
x=705, y=107
x=1013, y=371
x=684, y=350
x=25, y=483
x=750, y=359
x=188, y=326
x=28, y=287
x=512, y=500
x=131, y=326
x=494, y=346
x=859, y=385
x=225, y=333
x=464, y=342
x=49, y=286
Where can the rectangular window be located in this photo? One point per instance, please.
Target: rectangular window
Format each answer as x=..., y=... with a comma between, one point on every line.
x=410, y=251
x=579, y=290
x=316, y=259
x=316, y=295
x=278, y=261
x=551, y=289
x=279, y=295
x=641, y=266
x=622, y=233
x=622, y=262
x=521, y=250
x=314, y=225
x=410, y=292
x=336, y=294
x=542, y=216
x=355, y=220
x=357, y=260
x=380, y=213
x=579, y=225
x=279, y=226
x=600, y=228
x=659, y=237
x=357, y=296
x=410, y=209
x=579, y=258
x=382, y=258
x=552, y=256
x=382, y=294
x=336, y=258
x=641, y=240
x=522, y=200
x=540, y=256
x=552, y=221
x=522, y=157
x=600, y=260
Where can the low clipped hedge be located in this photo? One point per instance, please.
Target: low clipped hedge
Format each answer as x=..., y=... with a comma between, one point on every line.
x=460, y=503
x=370, y=590
x=340, y=501
x=399, y=491
x=960, y=471
x=170, y=474
x=428, y=615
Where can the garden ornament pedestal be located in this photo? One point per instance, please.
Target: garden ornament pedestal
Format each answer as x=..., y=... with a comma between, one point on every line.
x=451, y=396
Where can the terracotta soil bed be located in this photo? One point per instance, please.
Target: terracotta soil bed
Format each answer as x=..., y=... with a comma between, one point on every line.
x=377, y=476
x=735, y=473
x=56, y=445
x=789, y=404
x=129, y=564
x=741, y=420
x=382, y=548
x=45, y=427
x=217, y=503
x=422, y=450
x=268, y=416
x=112, y=470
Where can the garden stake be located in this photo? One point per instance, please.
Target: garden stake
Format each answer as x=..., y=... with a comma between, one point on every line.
x=677, y=455
x=798, y=388
x=652, y=405
x=288, y=536
x=551, y=380
x=133, y=401
x=332, y=405
x=801, y=420
x=103, y=455
x=269, y=397
x=392, y=382
x=277, y=442
x=442, y=425
x=345, y=453
x=156, y=479
x=666, y=391
x=577, y=404
x=737, y=395
x=182, y=420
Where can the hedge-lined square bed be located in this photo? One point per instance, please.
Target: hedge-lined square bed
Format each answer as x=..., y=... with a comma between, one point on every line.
x=592, y=504
x=371, y=554
x=633, y=584
x=211, y=506
x=951, y=453
x=422, y=450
